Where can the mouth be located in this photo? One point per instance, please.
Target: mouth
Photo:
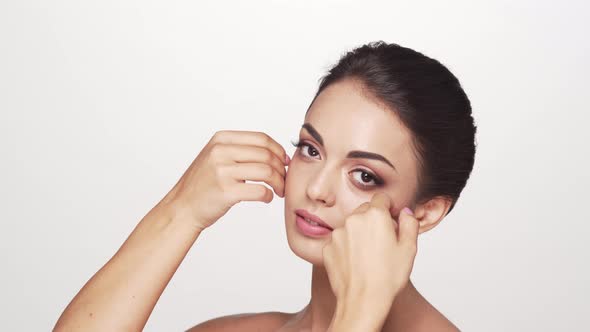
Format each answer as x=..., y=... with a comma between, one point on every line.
x=312, y=219
x=311, y=225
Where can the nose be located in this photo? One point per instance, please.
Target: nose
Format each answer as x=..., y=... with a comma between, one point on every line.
x=321, y=186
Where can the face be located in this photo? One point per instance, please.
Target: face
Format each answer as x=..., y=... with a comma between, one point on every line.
x=350, y=148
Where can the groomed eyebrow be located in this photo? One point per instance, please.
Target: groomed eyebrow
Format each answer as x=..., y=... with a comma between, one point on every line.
x=351, y=154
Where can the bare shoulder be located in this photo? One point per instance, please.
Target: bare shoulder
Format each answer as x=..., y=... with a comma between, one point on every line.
x=433, y=320
x=260, y=322
x=436, y=323
x=427, y=321
x=416, y=314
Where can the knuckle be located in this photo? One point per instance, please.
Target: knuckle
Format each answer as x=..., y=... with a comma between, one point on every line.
x=216, y=149
x=258, y=192
x=261, y=191
x=266, y=171
x=268, y=156
x=362, y=208
x=373, y=210
x=220, y=171
x=376, y=212
x=217, y=135
x=267, y=138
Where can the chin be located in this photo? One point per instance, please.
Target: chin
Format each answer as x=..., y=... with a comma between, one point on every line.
x=306, y=248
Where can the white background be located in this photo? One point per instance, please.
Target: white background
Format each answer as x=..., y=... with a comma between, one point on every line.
x=104, y=104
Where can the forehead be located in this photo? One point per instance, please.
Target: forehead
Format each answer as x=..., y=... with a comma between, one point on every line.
x=348, y=118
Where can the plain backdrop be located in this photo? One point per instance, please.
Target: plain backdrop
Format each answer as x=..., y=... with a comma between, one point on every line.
x=104, y=104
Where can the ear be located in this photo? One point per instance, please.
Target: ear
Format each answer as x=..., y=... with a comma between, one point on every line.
x=431, y=213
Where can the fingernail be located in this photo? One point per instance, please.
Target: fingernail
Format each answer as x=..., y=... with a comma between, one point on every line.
x=287, y=159
x=408, y=211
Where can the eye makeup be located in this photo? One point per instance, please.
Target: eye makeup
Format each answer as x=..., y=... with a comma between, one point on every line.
x=351, y=154
x=299, y=145
x=360, y=180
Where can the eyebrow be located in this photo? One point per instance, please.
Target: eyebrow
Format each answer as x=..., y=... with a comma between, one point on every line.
x=351, y=154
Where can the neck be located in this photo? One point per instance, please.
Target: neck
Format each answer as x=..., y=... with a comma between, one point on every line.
x=317, y=315
x=323, y=302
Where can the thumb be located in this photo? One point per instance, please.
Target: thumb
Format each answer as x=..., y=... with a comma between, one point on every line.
x=408, y=227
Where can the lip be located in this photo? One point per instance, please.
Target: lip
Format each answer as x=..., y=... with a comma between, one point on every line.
x=305, y=214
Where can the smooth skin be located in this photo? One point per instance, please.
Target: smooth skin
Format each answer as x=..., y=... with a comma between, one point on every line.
x=368, y=262
x=123, y=293
x=329, y=179
x=352, y=289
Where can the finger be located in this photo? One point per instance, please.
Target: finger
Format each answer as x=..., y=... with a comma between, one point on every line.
x=382, y=201
x=408, y=228
x=249, y=192
x=250, y=138
x=257, y=172
x=253, y=154
x=328, y=262
x=361, y=208
x=327, y=253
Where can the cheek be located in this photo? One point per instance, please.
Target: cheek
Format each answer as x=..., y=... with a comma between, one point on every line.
x=350, y=200
x=292, y=178
x=398, y=202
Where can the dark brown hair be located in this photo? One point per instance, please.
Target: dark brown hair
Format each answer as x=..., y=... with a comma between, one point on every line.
x=430, y=102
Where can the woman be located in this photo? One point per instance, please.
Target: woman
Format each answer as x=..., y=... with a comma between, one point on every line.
x=385, y=149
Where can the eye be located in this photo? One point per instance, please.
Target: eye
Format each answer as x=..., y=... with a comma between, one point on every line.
x=311, y=151
x=364, y=178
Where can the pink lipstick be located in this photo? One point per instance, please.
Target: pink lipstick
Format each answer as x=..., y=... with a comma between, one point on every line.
x=311, y=225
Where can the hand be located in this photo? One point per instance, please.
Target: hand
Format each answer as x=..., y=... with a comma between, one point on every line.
x=367, y=262
x=216, y=179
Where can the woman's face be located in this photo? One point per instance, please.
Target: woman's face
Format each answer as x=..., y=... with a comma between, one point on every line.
x=329, y=180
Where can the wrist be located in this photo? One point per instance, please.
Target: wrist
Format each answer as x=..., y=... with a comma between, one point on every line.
x=173, y=217
x=359, y=315
x=178, y=212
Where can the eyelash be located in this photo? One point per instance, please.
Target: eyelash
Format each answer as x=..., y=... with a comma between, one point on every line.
x=378, y=182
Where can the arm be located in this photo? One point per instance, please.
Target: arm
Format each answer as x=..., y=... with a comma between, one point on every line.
x=368, y=261
x=123, y=293
x=360, y=314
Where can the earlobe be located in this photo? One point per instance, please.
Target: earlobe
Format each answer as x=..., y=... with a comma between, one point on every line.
x=431, y=213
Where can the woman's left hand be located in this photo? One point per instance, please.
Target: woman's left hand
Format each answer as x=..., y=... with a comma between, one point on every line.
x=368, y=262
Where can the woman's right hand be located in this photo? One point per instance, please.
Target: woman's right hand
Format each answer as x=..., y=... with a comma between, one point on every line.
x=216, y=179
x=137, y=274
